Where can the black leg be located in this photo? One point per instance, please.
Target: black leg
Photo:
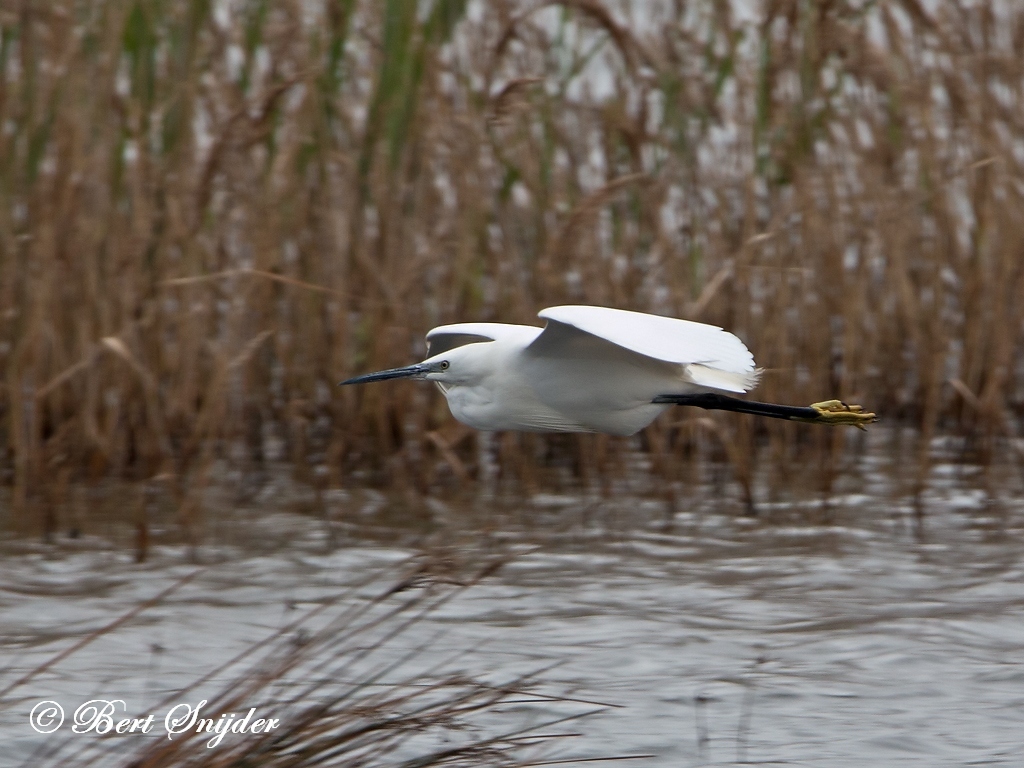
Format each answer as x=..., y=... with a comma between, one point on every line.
x=715, y=402
x=828, y=412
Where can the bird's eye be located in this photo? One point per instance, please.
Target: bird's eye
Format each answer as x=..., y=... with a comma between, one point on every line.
x=444, y=365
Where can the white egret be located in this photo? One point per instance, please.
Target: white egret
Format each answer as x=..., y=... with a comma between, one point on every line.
x=595, y=369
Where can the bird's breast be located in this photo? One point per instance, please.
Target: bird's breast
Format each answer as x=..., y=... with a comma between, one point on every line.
x=504, y=406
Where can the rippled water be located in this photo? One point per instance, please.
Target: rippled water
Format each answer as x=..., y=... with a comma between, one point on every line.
x=877, y=638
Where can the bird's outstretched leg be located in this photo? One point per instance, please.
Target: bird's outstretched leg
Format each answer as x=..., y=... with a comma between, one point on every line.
x=832, y=412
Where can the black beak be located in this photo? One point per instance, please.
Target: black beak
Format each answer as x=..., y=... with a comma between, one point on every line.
x=417, y=371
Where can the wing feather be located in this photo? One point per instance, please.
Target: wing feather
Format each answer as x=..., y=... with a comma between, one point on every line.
x=711, y=357
x=663, y=338
x=446, y=337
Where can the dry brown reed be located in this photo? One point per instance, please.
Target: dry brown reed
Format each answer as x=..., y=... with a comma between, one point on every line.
x=211, y=212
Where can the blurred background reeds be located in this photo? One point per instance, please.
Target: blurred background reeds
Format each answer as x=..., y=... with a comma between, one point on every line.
x=211, y=211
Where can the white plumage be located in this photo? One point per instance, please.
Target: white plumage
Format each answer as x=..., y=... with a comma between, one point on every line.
x=590, y=369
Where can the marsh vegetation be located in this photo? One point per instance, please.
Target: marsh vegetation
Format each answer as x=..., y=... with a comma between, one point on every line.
x=211, y=212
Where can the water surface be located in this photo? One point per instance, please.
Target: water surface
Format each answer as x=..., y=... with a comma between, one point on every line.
x=874, y=636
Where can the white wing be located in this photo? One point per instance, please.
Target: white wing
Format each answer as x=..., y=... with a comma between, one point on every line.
x=712, y=357
x=446, y=337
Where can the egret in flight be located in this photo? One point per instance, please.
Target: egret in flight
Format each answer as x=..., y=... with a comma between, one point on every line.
x=595, y=369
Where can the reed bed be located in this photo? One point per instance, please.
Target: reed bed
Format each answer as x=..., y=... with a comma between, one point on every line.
x=211, y=212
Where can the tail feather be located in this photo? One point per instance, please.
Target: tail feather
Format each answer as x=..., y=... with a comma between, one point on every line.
x=727, y=381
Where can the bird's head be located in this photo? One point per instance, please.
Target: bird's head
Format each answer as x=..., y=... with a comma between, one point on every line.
x=460, y=365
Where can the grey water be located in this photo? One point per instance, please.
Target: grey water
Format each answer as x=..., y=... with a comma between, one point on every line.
x=885, y=631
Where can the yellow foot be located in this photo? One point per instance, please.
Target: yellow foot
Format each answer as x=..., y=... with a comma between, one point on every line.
x=836, y=413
